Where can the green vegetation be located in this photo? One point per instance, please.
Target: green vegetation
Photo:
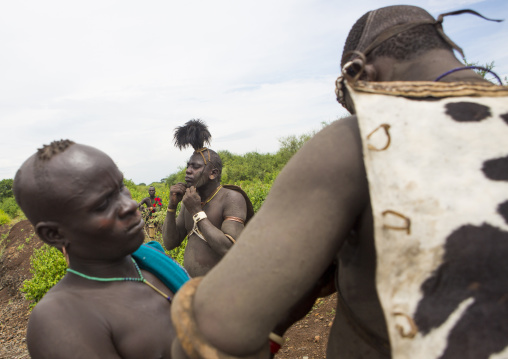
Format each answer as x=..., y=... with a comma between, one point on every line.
x=252, y=171
x=4, y=217
x=9, y=209
x=47, y=266
x=484, y=73
x=6, y=188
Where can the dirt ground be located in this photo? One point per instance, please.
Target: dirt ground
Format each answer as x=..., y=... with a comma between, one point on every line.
x=306, y=339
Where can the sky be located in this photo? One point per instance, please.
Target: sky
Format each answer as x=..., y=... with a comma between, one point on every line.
x=121, y=75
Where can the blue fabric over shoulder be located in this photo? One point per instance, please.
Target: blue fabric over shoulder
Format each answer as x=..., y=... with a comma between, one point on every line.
x=151, y=257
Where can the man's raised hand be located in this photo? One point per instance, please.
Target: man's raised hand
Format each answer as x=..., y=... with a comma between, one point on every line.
x=176, y=193
x=192, y=200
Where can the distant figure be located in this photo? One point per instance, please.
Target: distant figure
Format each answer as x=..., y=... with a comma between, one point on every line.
x=212, y=215
x=115, y=299
x=153, y=204
x=409, y=195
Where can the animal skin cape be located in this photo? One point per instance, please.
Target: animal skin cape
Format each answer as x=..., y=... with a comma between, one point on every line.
x=436, y=156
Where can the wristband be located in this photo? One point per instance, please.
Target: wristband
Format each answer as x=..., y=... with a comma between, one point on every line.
x=198, y=217
x=276, y=342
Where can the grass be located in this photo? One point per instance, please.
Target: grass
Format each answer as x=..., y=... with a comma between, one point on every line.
x=2, y=243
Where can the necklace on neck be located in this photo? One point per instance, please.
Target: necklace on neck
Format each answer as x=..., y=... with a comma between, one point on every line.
x=470, y=68
x=121, y=279
x=211, y=197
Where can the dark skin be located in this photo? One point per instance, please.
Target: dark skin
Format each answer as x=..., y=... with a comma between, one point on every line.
x=318, y=211
x=202, y=181
x=148, y=201
x=97, y=222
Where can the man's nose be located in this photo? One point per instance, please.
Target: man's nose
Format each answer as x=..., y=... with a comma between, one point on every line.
x=127, y=204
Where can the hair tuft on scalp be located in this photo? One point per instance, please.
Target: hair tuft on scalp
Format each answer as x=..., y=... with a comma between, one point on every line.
x=48, y=151
x=194, y=133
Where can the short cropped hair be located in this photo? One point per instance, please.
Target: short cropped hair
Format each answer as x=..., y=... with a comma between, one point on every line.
x=32, y=189
x=403, y=46
x=48, y=151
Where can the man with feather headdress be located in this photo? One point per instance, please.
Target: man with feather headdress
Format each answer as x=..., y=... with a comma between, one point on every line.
x=212, y=215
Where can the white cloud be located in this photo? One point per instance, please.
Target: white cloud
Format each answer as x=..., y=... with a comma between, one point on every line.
x=121, y=75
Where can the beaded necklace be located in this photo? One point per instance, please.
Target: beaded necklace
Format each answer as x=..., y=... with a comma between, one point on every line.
x=120, y=279
x=211, y=197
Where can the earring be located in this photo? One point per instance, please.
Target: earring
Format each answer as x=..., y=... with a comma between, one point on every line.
x=66, y=256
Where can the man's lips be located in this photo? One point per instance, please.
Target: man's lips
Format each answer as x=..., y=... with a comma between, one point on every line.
x=137, y=225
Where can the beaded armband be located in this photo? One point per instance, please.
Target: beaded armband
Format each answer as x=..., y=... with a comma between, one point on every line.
x=235, y=219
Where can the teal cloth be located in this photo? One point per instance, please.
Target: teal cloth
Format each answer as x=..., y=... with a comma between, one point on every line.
x=151, y=257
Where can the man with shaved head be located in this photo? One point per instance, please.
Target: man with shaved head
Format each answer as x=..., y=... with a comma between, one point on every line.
x=115, y=298
x=408, y=195
x=153, y=204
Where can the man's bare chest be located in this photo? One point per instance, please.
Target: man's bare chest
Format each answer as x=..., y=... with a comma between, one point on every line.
x=137, y=318
x=214, y=213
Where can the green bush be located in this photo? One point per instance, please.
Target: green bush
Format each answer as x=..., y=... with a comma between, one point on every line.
x=4, y=218
x=6, y=188
x=9, y=206
x=47, y=266
x=157, y=219
x=178, y=252
x=257, y=191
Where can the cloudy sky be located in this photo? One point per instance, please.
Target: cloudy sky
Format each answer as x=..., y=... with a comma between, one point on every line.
x=120, y=75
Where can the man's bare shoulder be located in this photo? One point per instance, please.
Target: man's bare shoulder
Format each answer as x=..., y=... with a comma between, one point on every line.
x=52, y=319
x=234, y=204
x=58, y=301
x=232, y=195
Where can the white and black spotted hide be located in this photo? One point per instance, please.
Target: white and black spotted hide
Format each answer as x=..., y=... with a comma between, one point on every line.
x=439, y=194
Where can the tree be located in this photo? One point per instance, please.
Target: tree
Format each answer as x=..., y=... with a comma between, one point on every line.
x=6, y=188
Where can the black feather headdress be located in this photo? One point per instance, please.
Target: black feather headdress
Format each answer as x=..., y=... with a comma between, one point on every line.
x=194, y=133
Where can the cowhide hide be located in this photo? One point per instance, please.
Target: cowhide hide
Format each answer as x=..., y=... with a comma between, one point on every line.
x=438, y=180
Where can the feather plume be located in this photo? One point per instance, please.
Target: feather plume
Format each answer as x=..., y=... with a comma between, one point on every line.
x=194, y=133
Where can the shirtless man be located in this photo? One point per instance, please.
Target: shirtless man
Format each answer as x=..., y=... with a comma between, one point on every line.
x=75, y=197
x=152, y=203
x=212, y=216
x=319, y=210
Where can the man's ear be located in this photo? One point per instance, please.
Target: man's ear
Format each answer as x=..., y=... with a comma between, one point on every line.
x=51, y=234
x=213, y=174
x=369, y=73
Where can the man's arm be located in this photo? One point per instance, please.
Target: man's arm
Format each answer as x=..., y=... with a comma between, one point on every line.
x=59, y=332
x=173, y=229
x=235, y=211
x=144, y=201
x=288, y=245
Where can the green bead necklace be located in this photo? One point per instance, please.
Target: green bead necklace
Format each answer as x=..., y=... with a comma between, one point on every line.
x=120, y=279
